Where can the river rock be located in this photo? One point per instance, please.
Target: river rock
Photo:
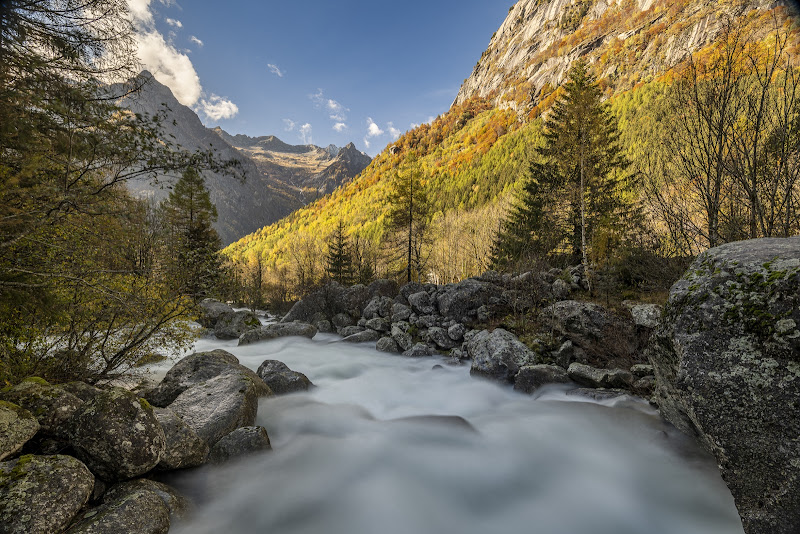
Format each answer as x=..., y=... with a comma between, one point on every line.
x=183, y=448
x=441, y=339
x=138, y=511
x=179, y=507
x=607, y=339
x=401, y=336
x=378, y=307
x=191, y=370
x=455, y=301
x=220, y=405
x=274, y=331
x=642, y=369
x=727, y=364
x=348, y=331
x=400, y=312
x=532, y=377
x=17, y=426
x=210, y=311
x=644, y=315
x=235, y=323
x=363, y=336
x=592, y=377
x=498, y=355
x=240, y=442
x=342, y=320
x=421, y=303
x=387, y=344
x=41, y=494
x=117, y=435
x=419, y=350
x=50, y=405
x=378, y=324
x=457, y=331
x=282, y=380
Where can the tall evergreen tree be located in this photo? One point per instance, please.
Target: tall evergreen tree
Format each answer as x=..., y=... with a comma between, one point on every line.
x=338, y=261
x=582, y=142
x=408, y=218
x=189, y=214
x=576, y=193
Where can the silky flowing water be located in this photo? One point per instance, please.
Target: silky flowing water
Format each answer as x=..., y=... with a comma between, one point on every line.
x=389, y=445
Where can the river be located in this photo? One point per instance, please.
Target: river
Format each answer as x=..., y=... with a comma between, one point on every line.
x=361, y=454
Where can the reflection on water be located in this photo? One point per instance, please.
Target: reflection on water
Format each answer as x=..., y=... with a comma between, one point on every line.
x=360, y=454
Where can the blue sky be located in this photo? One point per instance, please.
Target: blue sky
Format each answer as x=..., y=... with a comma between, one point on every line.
x=321, y=71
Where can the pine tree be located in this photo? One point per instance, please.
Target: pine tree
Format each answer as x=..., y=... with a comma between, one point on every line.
x=575, y=195
x=338, y=262
x=189, y=213
x=581, y=141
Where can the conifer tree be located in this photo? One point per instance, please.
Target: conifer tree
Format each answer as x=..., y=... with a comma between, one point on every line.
x=581, y=142
x=408, y=217
x=189, y=213
x=338, y=261
x=576, y=193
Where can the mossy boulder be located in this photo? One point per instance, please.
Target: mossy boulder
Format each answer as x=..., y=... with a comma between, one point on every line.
x=139, y=511
x=51, y=405
x=42, y=494
x=726, y=357
x=233, y=324
x=117, y=435
x=17, y=426
x=179, y=507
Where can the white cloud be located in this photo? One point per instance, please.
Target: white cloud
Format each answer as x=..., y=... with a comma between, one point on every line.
x=174, y=23
x=275, y=70
x=290, y=124
x=305, y=134
x=169, y=66
x=172, y=67
x=196, y=41
x=373, y=130
x=340, y=127
x=337, y=111
x=218, y=108
x=366, y=142
x=394, y=132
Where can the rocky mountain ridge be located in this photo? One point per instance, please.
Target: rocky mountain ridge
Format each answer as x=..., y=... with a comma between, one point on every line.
x=309, y=168
x=278, y=177
x=628, y=41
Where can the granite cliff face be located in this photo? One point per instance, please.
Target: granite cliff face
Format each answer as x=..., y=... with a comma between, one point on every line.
x=628, y=41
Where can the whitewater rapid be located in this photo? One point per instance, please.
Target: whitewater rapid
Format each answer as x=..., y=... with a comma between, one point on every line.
x=360, y=454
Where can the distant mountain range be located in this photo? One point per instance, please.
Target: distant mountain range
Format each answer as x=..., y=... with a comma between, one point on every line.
x=279, y=178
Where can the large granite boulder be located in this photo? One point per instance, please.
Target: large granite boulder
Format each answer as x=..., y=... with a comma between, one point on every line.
x=137, y=511
x=51, y=405
x=179, y=507
x=532, y=377
x=221, y=404
x=281, y=379
x=41, y=494
x=17, y=426
x=192, y=370
x=117, y=435
x=235, y=323
x=274, y=331
x=727, y=361
x=210, y=311
x=498, y=355
x=184, y=448
x=461, y=301
x=334, y=299
x=241, y=442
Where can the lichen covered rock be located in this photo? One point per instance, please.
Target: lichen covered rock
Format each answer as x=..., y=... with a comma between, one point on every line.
x=184, y=448
x=189, y=371
x=140, y=511
x=17, y=426
x=727, y=363
x=274, y=331
x=41, y=494
x=51, y=405
x=240, y=442
x=179, y=507
x=117, y=435
x=498, y=355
